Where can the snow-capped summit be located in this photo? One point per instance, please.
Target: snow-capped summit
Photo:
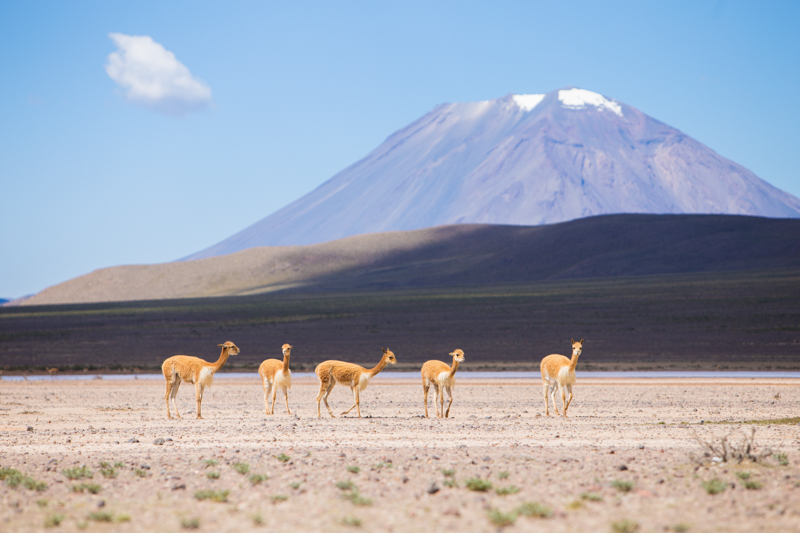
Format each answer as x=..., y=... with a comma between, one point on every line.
x=580, y=98
x=523, y=159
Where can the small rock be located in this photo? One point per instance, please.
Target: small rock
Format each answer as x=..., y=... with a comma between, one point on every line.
x=133, y=440
x=702, y=421
x=145, y=467
x=452, y=511
x=622, y=468
x=101, y=503
x=405, y=479
x=641, y=446
x=159, y=441
x=433, y=489
x=170, y=440
x=179, y=486
x=30, y=428
x=487, y=458
x=116, y=442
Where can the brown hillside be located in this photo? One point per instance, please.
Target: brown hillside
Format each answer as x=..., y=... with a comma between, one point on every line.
x=461, y=255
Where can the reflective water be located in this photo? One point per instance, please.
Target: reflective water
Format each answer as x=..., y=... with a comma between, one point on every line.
x=461, y=375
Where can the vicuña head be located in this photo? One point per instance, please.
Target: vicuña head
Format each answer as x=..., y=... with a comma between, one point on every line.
x=576, y=347
x=458, y=355
x=390, y=358
x=232, y=348
x=286, y=349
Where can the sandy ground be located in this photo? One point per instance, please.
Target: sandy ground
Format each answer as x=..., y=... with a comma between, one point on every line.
x=627, y=430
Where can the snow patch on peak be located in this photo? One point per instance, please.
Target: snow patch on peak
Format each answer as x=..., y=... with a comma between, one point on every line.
x=580, y=98
x=526, y=102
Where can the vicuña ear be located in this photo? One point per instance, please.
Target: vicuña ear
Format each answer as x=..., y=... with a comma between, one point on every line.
x=572, y=341
x=221, y=345
x=581, y=341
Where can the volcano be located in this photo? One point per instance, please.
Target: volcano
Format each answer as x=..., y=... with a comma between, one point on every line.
x=522, y=160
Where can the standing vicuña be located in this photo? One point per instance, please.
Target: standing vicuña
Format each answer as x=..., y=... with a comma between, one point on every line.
x=559, y=371
x=276, y=374
x=442, y=377
x=356, y=377
x=192, y=370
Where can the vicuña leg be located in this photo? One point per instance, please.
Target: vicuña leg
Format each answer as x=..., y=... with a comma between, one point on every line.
x=425, y=387
x=563, y=392
x=274, y=393
x=286, y=397
x=267, y=388
x=553, y=386
x=174, y=395
x=545, y=386
x=198, y=391
x=450, y=395
x=167, y=397
x=325, y=389
x=355, y=402
x=569, y=401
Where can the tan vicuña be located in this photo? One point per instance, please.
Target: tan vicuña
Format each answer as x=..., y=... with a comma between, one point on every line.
x=180, y=368
x=275, y=374
x=558, y=371
x=443, y=378
x=356, y=377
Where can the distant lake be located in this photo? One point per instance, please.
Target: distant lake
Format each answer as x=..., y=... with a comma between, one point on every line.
x=460, y=375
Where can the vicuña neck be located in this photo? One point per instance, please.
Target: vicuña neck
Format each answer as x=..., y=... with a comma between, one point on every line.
x=574, y=361
x=286, y=362
x=221, y=361
x=379, y=366
x=454, y=367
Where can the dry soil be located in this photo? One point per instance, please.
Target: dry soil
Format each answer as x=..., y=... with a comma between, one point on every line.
x=408, y=473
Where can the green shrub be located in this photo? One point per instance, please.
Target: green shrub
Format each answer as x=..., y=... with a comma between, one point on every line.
x=505, y=491
x=478, y=484
x=282, y=458
x=78, y=472
x=591, y=496
x=345, y=485
x=102, y=516
x=255, y=479
x=213, y=495
x=503, y=475
x=93, y=488
x=190, y=523
x=752, y=485
x=534, y=510
x=625, y=526
x=351, y=521
x=714, y=486
x=212, y=475
x=622, y=486
x=353, y=469
x=53, y=520
x=501, y=519
x=242, y=468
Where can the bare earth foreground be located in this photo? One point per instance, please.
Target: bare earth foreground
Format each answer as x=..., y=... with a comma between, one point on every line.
x=638, y=431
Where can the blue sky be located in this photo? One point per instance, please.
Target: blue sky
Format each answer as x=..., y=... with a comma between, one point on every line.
x=92, y=176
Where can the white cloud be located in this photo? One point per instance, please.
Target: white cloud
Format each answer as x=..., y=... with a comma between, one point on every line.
x=151, y=76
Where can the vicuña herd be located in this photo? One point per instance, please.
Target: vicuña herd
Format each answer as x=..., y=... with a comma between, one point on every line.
x=557, y=371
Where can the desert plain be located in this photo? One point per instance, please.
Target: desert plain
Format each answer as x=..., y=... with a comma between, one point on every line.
x=626, y=459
